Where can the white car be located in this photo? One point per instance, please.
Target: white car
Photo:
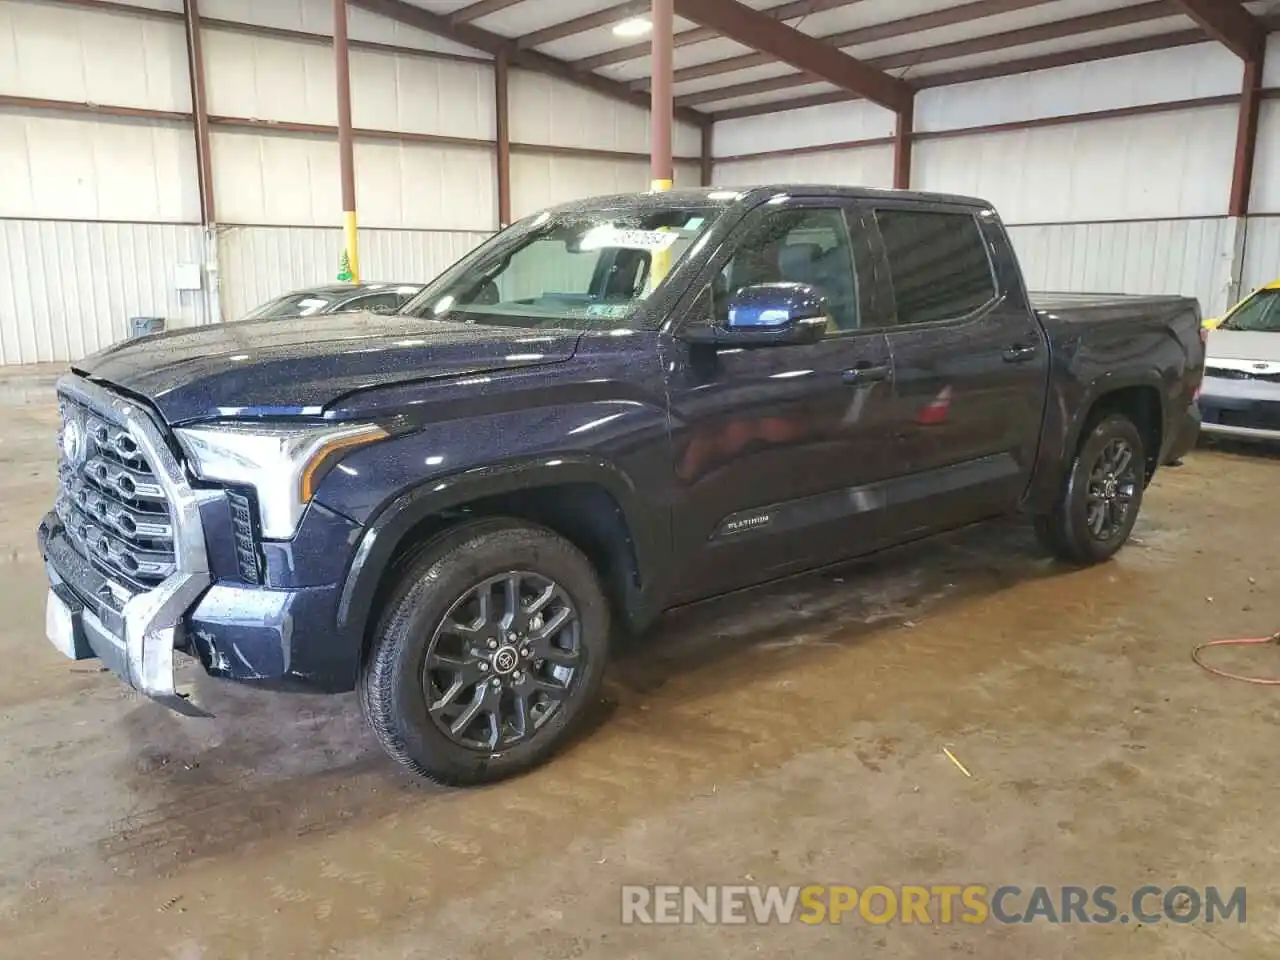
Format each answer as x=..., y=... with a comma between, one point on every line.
x=1240, y=396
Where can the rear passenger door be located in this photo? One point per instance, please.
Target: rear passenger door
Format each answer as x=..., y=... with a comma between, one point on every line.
x=970, y=363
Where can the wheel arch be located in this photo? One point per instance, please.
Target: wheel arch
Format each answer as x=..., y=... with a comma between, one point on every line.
x=587, y=500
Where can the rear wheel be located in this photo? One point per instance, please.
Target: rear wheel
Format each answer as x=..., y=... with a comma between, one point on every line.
x=1102, y=494
x=492, y=646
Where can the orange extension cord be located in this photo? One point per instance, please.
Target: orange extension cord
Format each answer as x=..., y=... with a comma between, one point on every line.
x=1247, y=642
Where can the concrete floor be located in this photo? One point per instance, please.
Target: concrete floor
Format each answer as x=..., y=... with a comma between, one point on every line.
x=793, y=736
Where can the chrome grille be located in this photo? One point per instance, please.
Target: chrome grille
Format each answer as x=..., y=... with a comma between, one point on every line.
x=110, y=500
x=1227, y=373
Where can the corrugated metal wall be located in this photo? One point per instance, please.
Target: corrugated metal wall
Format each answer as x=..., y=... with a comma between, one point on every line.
x=1188, y=257
x=1262, y=252
x=259, y=263
x=864, y=166
x=68, y=289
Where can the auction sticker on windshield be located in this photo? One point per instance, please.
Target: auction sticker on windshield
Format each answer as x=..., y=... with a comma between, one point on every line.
x=608, y=236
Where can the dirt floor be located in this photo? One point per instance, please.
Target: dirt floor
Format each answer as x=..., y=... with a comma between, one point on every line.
x=793, y=736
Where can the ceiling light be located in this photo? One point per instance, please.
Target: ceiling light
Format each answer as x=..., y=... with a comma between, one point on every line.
x=635, y=27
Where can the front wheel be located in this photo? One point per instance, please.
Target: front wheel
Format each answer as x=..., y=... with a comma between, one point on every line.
x=1101, y=497
x=492, y=646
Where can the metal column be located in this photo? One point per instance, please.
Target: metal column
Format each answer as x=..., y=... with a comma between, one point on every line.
x=501, y=84
x=350, y=269
x=662, y=106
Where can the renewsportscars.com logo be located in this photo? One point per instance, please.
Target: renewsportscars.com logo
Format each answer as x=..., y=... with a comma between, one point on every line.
x=932, y=905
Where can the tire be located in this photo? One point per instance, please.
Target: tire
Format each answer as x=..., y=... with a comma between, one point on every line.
x=1070, y=531
x=433, y=635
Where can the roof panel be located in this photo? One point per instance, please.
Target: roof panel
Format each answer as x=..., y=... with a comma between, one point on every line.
x=441, y=6
x=599, y=40
x=718, y=49
x=1044, y=13
x=1151, y=28
x=528, y=16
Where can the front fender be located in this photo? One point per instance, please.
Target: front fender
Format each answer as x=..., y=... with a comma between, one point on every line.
x=648, y=526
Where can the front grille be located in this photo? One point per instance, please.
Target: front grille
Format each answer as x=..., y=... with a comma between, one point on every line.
x=110, y=500
x=1224, y=373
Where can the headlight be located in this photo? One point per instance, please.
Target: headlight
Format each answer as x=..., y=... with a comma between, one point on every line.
x=284, y=464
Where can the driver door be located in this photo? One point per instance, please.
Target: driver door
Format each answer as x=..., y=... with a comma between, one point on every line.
x=778, y=449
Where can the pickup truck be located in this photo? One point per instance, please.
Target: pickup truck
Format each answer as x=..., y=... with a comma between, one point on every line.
x=609, y=409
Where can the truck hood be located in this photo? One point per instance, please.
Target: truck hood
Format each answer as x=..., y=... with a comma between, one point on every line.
x=299, y=366
x=1243, y=345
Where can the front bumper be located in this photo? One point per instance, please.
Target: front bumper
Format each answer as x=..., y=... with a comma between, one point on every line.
x=1244, y=409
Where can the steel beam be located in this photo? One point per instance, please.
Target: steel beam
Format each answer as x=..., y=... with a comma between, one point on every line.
x=474, y=11
x=502, y=113
x=200, y=111
x=1228, y=22
x=761, y=32
x=634, y=51
x=1007, y=39
x=662, y=172
x=965, y=13
x=1246, y=139
x=902, y=140
x=346, y=148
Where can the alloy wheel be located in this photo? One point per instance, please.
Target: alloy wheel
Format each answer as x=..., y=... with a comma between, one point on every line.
x=505, y=657
x=1113, y=484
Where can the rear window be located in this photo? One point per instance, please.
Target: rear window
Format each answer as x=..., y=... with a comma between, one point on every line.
x=938, y=263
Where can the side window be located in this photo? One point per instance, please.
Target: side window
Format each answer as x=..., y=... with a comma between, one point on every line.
x=802, y=245
x=938, y=263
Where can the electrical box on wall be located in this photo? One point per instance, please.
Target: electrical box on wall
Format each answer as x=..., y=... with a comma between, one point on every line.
x=188, y=276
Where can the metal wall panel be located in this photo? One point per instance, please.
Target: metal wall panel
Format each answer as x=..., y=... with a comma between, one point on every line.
x=1266, y=168
x=1160, y=76
x=63, y=53
x=291, y=180
x=1189, y=257
x=548, y=111
x=70, y=168
x=543, y=180
x=69, y=288
x=316, y=16
x=258, y=263
x=1262, y=252
x=1156, y=166
x=832, y=123
x=863, y=166
x=273, y=79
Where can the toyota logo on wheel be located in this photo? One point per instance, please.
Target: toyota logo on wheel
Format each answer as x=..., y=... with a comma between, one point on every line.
x=505, y=660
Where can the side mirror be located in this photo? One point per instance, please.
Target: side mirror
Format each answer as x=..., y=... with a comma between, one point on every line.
x=766, y=315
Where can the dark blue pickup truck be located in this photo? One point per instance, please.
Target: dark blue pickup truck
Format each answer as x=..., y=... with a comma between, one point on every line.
x=609, y=409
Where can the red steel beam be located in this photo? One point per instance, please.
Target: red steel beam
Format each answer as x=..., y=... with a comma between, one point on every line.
x=964, y=13
x=502, y=131
x=662, y=172
x=1055, y=30
x=706, y=163
x=1228, y=22
x=761, y=32
x=491, y=43
x=1246, y=139
x=1007, y=68
x=902, y=139
x=634, y=51
x=200, y=111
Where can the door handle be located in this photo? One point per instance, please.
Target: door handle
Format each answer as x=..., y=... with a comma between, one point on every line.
x=1021, y=353
x=867, y=373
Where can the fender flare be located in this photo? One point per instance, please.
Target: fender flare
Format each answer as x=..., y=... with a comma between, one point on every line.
x=1110, y=383
x=386, y=530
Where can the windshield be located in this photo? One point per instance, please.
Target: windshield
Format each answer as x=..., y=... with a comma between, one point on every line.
x=292, y=305
x=1259, y=314
x=582, y=270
